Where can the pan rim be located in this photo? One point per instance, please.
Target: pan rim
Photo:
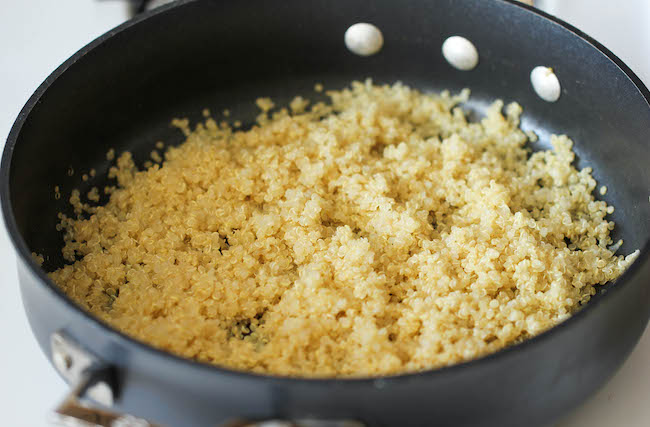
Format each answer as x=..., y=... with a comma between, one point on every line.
x=23, y=254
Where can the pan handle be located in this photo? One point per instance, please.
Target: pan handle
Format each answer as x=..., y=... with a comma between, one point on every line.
x=94, y=387
x=74, y=411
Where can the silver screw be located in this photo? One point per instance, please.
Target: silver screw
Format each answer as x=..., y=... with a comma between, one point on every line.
x=363, y=39
x=545, y=83
x=460, y=53
x=62, y=360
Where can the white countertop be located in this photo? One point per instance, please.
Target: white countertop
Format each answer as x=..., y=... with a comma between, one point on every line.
x=37, y=35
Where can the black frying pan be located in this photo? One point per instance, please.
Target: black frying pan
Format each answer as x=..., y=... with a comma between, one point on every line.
x=122, y=90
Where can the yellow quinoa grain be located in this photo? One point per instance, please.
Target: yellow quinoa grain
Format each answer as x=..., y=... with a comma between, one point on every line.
x=264, y=104
x=155, y=156
x=38, y=259
x=298, y=105
x=380, y=234
x=532, y=136
x=93, y=194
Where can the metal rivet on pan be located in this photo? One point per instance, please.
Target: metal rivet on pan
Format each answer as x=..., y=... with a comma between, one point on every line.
x=60, y=357
x=545, y=83
x=62, y=361
x=460, y=53
x=363, y=39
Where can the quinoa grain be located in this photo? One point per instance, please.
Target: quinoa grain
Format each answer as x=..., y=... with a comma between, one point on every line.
x=381, y=234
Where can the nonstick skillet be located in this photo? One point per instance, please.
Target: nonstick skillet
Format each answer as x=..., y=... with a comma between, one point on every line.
x=121, y=92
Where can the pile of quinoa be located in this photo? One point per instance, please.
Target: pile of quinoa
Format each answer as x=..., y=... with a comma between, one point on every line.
x=377, y=234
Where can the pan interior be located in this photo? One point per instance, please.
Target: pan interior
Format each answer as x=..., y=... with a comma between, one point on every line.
x=123, y=93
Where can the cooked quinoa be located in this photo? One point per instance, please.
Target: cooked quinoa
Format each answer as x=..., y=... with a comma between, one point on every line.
x=380, y=234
